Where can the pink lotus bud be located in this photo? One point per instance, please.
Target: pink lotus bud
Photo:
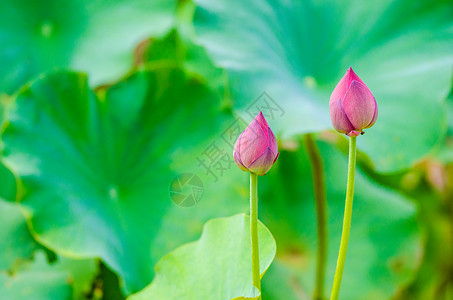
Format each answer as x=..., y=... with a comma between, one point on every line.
x=256, y=148
x=352, y=105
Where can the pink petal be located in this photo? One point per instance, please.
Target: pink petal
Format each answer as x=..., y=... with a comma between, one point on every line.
x=262, y=122
x=252, y=144
x=263, y=163
x=339, y=119
x=276, y=158
x=342, y=87
x=272, y=141
x=374, y=117
x=359, y=105
x=237, y=145
x=237, y=160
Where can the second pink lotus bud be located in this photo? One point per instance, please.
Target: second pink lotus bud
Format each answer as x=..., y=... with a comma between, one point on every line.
x=352, y=105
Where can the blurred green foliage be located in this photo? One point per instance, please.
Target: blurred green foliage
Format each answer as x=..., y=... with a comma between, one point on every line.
x=25, y=271
x=97, y=36
x=385, y=244
x=104, y=103
x=297, y=52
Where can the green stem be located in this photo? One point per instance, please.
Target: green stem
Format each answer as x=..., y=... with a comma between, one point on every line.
x=319, y=188
x=346, y=220
x=254, y=231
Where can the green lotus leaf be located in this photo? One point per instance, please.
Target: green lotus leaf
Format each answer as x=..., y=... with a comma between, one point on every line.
x=100, y=171
x=8, y=187
x=385, y=243
x=17, y=242
x=24, y=270
x=65, y=279
x=93, y=36
x=178, y=48
x=217, y=266
x=298, y=51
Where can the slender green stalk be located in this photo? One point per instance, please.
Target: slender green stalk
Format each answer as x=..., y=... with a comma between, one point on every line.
x=254, y=230
x=319, y=188
x=346, y=220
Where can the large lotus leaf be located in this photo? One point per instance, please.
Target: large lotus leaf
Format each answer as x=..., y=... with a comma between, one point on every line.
x=297, y=51
x=98, y=170
x=217, y=266
x=94, y=36
x=38, y=280
x=384, y=245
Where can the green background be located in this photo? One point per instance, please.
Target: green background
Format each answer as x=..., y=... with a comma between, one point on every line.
x=104, y=104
